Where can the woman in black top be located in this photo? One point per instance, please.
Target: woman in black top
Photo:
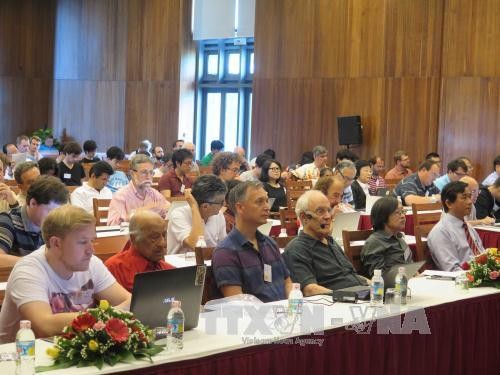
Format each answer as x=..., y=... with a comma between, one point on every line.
x=271, y=179
x=360, y=185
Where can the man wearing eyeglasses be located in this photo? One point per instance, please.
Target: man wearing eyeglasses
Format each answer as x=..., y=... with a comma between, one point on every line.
x=401, y=168
x=314, y=259
x=347, y=170
x=201, y=217
x=456, y=170
x=226, y=165
x=176, y=181
x=419, y=187
x=139, y=193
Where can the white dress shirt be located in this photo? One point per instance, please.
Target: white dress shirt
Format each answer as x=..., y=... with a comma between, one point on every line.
x=84, y=195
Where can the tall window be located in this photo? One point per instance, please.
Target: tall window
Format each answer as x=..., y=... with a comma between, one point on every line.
x=224, y=105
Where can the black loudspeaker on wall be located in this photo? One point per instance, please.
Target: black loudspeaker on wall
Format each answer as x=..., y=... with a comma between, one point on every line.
x=350, y=130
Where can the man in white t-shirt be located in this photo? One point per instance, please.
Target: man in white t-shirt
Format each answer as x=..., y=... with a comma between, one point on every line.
x=95, y=187
x=202, y=217
x=51, y=285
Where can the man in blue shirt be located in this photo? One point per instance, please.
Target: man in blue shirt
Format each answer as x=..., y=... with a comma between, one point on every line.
x=456, y=170
x=247, y=261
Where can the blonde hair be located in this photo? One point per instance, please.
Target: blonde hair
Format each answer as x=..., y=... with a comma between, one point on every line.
x=63, y=220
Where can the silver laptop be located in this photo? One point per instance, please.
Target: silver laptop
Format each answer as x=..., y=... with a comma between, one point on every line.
x=154, y=292
x=411, y=269
x=344, y=221
x=370, y=201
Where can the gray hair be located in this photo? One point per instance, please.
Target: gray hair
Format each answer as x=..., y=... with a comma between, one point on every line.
x=302, y=204
x=222, y=160
x=139, y=159
x=318, y=150
x=345, y=164
x=239, y=192
x=22, y=168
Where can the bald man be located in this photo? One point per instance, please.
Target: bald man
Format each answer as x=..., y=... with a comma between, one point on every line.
x=471, y=218
x=192, y=147
x=144, y=252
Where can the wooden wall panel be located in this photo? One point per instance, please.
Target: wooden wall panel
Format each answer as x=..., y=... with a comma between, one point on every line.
x=151, y=112
x=90, y=110
x=90, y=42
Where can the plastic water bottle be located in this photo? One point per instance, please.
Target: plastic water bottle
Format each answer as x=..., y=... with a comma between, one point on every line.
x=295, y=300
x=377, y=289
x=283, y=233
x=401, y=285
x=25, y=347
x=175, y=327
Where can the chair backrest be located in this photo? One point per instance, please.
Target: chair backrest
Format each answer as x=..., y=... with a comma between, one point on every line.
x=205, y=169
x=352, y=250
x=104, y=256
x=391, y=183
x=101, y=210
x=288, y=220
x=71, y=189
x=86, y=168
x=114, y=244
x=292, y=196
x=283, y=241
x=423, y=221
x=202, y=254
x=298, y=185
x=176, y=199
x=124, y=166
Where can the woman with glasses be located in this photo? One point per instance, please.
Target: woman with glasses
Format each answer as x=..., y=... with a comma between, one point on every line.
x=386, y=246
x=271, y=178
x=360, y=188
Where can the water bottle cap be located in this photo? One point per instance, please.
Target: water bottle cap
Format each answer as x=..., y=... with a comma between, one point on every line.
x=402, y=270
x=377, y=272
x=176, y=303
x=25, y=324
x=296, y=286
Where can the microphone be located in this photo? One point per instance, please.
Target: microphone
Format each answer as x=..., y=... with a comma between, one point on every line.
x=310, y=216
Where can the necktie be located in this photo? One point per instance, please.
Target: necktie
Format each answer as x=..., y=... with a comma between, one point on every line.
x=470, y=241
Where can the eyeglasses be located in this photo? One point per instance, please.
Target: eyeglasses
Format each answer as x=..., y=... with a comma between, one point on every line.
x=145, y=172
x=234, y=170
x=460, y=174
x=347, y=178
x=322, y=211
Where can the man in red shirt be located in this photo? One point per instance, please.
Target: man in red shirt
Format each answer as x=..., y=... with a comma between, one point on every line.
x=173, y=183
x=144, y=252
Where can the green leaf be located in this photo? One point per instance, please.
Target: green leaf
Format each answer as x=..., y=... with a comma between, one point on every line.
x=99, y=363
x=57, y=366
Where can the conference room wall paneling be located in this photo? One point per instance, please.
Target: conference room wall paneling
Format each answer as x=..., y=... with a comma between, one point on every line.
x=380, y=59
x=26, y=59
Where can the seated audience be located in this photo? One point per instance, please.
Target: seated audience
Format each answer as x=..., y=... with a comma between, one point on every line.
x=468, y=163
x=139, y=193
x=248, y=261
x=244, y=167
x=488, y=201
x=333, y=189
x=228, y=214
x=376, y=181
x=419, y=187
x=472, y=219
x=226, y=165
x=325, y=172
x=25, y=174
x=174, y=183
x=48, y=147
x=493, y=176
x=256, y=171
x=158, y=154
x=215, y=148
x=9, y=149
x=401, y=168
x=95, y=187
x=311, y=171
x=118, y=179
x=347, y=170
x=8, y=198
x=70, y=171
x=33, y=153
x=346, y=154
x=386, y=246
x=271, y=180
x=359, y=187
x=90, y=148
x=144, y=149
x=452, y=242
x=314, y=259
x=23, y=143
x=144, y=252
x=434, y=156
x=456, y=169
x=190, y=146
x=51, y=285
x=177, y=145
x=201, y=217
x=165, y=167
x=48, y=166
x=20, y=228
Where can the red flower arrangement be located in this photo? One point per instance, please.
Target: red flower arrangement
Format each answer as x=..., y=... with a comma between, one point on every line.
x=484, y=269
x=101, y=335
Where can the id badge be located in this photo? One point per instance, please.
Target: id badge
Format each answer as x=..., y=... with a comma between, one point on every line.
x=182, y=188
x=67, y=175
x=268, y=273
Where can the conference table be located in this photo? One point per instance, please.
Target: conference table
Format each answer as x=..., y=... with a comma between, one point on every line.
x=443, y=329
x=490, y=235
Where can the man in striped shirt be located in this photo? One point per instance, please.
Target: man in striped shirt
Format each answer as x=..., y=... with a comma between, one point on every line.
x=376, y=181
